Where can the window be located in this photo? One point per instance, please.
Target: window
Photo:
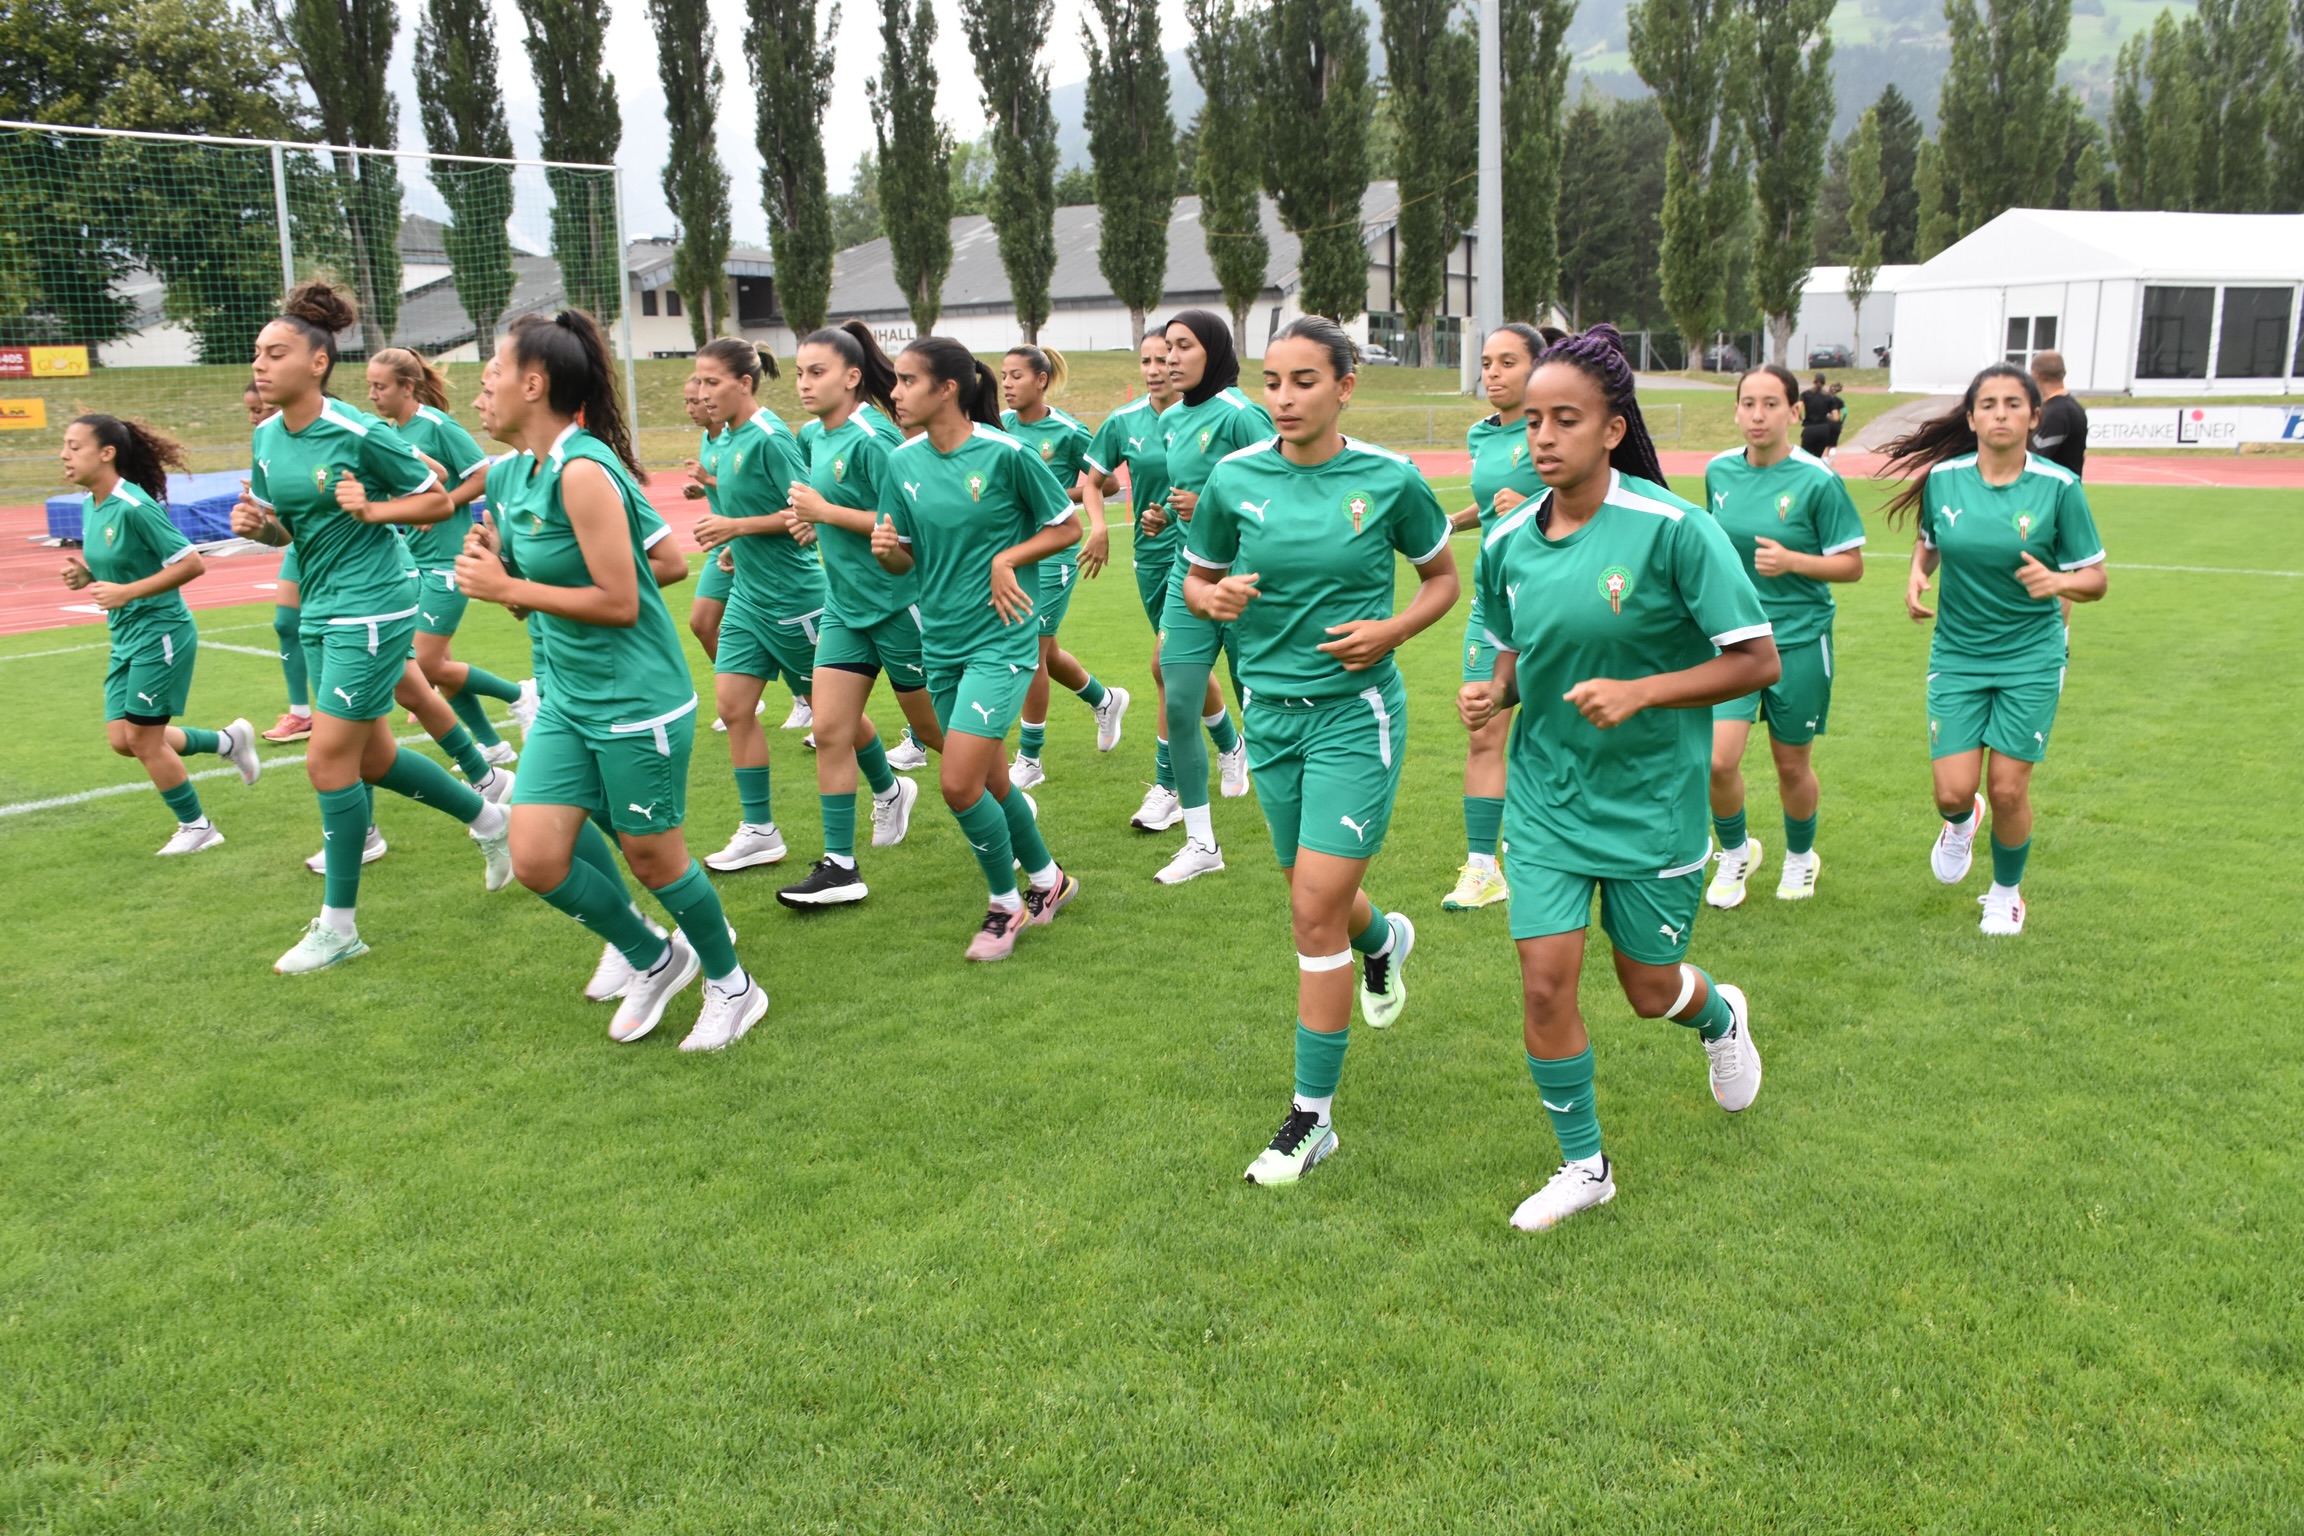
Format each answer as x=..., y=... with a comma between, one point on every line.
x=755, y=301
x=672, y=302
x=2028, y=334
x=647, y=301
x=2254, y=334
x=2174, y=341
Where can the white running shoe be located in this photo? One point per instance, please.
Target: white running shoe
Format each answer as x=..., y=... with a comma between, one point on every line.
x=1384, y=982
x=524, y=707
x=496, y=789
x=751, y=845
x=238, y=748
x=370, y=851
x=907, y=756
x=1160, y=811
x=1232, y=768
x=725, y=1016
x=650, y=990
x=191, y=837
x=1955, y=851
x=2003, y=910
x=1026, y=772
x=1192, y=861
x=501, y=754
x=892, y=817
x=1572, y=1189
x=320, y=948
x=496, y=851
x=1108, y=717
x=1736, y=867
x=1477, y=885
x=1301, y=1143
x=614, y=973
x=809, y=741
x=1798, y=881
x=1735, y=1059
x=720, y=725
x=803, y=716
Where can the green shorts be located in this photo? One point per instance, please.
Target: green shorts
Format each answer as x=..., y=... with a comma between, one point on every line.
x=892, y=646
x=355, y=664
x=1326, y=770
x=1186, y=639
x=1479, y=655
x=1797, y=705
x=2012, y=716
x=1053, y=599
x=440, y=603
x=979, y=698
x=1648, y=920
x=1153, y=569
x=291, y=569
x=753, y=645
x=714, y=582
x=152, y=676
x=637, y=773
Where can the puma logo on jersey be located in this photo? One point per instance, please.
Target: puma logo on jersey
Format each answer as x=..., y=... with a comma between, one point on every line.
x=912, y=490
x=432, y=618
x=648, y=811
x=1135, y=443
x=1950, y=514
x=1256, y=508
x=147, y=698
x=981, y=710
x=346, y=697
x=1358, y=830
x=1512, y=595
x=1719, y=501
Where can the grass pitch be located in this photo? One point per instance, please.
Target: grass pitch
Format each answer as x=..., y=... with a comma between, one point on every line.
x=2008, y=1243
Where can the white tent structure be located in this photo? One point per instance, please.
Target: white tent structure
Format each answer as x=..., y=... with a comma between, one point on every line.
x=1827, y=319
x=2139, y=303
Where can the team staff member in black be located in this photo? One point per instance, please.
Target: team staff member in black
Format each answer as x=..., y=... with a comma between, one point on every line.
x=1819, y=409
x=2061, y=437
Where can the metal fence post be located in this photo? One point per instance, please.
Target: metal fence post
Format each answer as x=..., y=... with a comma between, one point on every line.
x=624, y=304
x=280, y=212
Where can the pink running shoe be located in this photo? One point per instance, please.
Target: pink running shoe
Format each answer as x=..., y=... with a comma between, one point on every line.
x=1043, y=905
x=996, y=940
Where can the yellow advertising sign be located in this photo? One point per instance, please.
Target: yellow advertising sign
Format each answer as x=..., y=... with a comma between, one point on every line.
x=23, y=415
x=59, y=362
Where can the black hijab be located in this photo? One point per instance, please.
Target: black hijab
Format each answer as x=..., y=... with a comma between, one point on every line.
x=1215, y=337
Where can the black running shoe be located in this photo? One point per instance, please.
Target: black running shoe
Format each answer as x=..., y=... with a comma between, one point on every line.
x=827, y=885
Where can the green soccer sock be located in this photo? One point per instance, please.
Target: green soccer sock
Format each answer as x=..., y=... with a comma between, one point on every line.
x=2008, y=863
x=1564, y=1088
x=474, y=714
x=1799, y=833
x=605, y=906
x=184, y=800
x=1092, y=692
x=461, y=750
x=1377, y=936
x=419, y=778
x=1032, y=739
x=197, y=741
x=872, y=762
x=344, y=824
x=1713, y=1019
x=752, y=789
x=986, y=828
x=287, y=624
x=368, y=795
x=1221, y=729
x=1187, y=749
x=1483, y=819
x=1319, y=1061
x=1730, y=830
x=695, y=906
x=1163, y=770
x=488, y=685
x=1024, y=833
x=1966, y=813
x=594, y=849
x=840, y=825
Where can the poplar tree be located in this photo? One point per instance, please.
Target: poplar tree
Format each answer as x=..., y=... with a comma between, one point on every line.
x=1899, y=217
x=1006, y=37
x=915, y=157
x=1865, y=243
x=2001, y=115
x=2240, y=58
x=576, y=97
x=1788, y=118
x=1228, y=170
x=343, y=48
x=1938, y=225
x=1132, y=145
x=2157, y=121
x=695, y=182
x=1533, y=42
x=463, y=113
x=1434, y=94
x=1313, y=117
x=1695, y=55
x=791, y=87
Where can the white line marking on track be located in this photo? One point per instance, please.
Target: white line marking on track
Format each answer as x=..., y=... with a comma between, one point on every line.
x=65, y=651
x=2125, y=565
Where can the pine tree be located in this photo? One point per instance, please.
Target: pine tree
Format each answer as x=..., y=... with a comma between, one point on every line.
x=463, y=113
x=1433, y=98
x=1788, y=118
x=1007, y=36
x=695, y=182
x=1132, y=144
x=577, y=99
x=915, y=157
x=1939, y=226
x=1229, y=171
x=791, y=87
x=1695, y=55
x=344, y=48
x=1533, y=44
x=2001, y=113
x=1313, y=120
x=1864, y=193
x=1899, y=217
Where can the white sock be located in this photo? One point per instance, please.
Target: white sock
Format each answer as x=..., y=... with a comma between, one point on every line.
x=1965, y=826
x=764, y=828
x=1200, y=825
x=301, y=711
x=2002, y=890
x=1009, y=901
x=734, y=981
x=1595, y=1165
x=1214, y=720
x=493, y=818
x=1318, y=1107
x=1042, y=879
x=887, y=797
x=841, y=859
x=1391, y=937
x=1483, y=862
x=339, y=919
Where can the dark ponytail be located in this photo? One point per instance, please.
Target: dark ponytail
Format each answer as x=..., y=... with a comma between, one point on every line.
x=573, y=356
x=860, y=350
x=739, y=357
x=1599, y=355
x=1943, y=437
x=320, y=312
x=140, y=456
x=974, y=385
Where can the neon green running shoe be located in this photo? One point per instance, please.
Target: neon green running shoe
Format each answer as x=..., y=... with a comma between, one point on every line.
x=1302, y=1142
x=1383, y=978
x=1477, y=886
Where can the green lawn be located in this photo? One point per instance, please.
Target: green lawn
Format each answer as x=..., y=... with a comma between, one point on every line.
x=2009, y=1242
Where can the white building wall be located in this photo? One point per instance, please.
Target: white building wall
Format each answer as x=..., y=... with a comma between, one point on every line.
x=1943, y=336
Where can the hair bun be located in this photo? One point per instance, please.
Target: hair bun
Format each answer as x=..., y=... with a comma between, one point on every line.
x=321, y=304
x=1607, y=334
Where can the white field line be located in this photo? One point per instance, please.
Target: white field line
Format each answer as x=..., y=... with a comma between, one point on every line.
x=105, y=645
x=245, y=650
x=2126, y=565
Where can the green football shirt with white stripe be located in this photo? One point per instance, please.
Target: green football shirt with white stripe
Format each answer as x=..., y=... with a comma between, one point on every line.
x=127, y=537
x=1062, y=442
x=1500, y=462
x=442, y=438
x=1199, y=437
x=1320, y=538
x=957, y=510
x=348, y=569
x=776, y=577
x=1134, y=435
x=846, y=466
x=1650, y=585
x=1986, y=623
x=708, y=459
x=1801, y=503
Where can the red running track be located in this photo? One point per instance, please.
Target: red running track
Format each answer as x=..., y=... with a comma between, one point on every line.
x=31, y=597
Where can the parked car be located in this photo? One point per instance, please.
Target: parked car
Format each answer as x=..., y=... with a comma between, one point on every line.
x=1833, y=356
x=1725, y=359
x=1375, y=354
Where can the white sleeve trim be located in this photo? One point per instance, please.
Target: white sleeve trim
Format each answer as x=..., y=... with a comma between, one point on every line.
x=1925, y=541
x=1089, y=459
x=901, y=539
x=2079, y=565
x=1844, y=546
x=260, y=501
x=1498, y=644
x=181, y=552
x=1435, y=549
x=656, y=538
x=1061, y=517
x=1748, y=632
x=1206, y=564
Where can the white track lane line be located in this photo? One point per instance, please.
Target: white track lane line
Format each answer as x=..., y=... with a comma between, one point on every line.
x=2126, y=565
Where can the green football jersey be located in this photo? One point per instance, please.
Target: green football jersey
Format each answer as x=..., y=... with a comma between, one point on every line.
x=846, y=467
x=776, y=578
x=1499, y=463
x=1198, y=437
x=1062, y=443
x=708, y=459
x=442, y=438
x=1321, y=540
x=1133, y=435
x=604, y=677
x=1649, y=585
x=957, y=510
x=127, y=537
x=349, y=569
x=1987, y=625
x=1802, y=504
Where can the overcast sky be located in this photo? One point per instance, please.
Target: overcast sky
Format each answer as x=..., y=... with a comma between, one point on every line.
x=848, y=125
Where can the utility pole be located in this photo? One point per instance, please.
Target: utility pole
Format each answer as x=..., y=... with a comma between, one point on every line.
x=1488, y=232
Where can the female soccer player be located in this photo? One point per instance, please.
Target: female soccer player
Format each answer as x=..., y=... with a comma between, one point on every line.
x=1028, y=376
x=295, y=722
x=719, y=574
x=1131, y=436
x=1292, y=545
x=2012, y=533
x=870, y=622
x=131, y=563
x=769, y=630
x=316, y=461
x=1210, y=419
x=1796, y=532
x=1502, y=478
x=413, y=395
x=618, y=718
x=1619, y=617
x=967, y=505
